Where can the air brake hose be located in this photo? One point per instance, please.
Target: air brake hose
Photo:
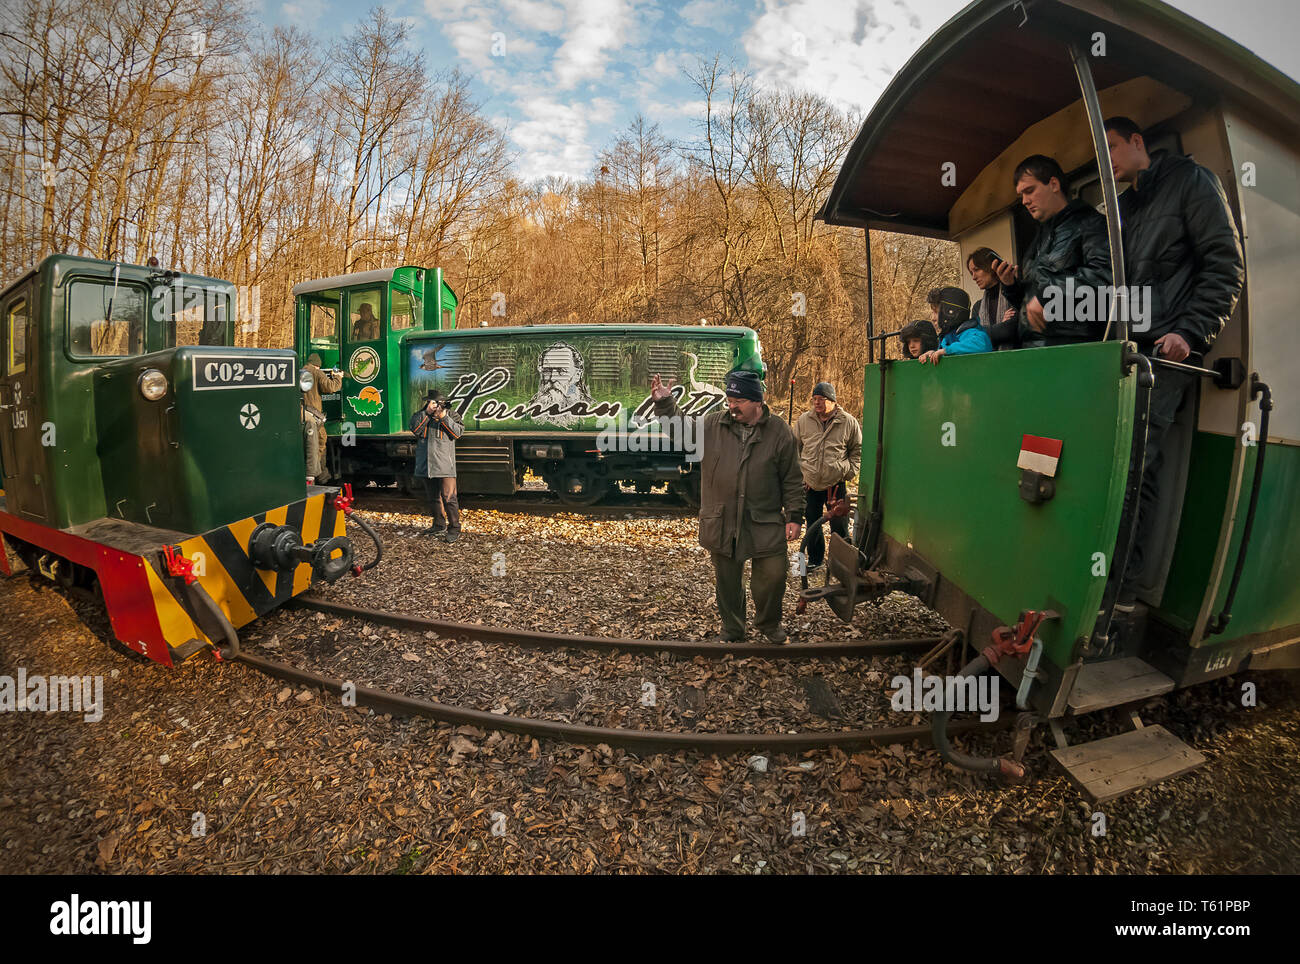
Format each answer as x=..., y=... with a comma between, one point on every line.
x=231, y=648
x=1009, y=769
x=374, y=537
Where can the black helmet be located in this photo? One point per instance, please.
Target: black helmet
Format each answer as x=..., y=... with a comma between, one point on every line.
x=954, y=309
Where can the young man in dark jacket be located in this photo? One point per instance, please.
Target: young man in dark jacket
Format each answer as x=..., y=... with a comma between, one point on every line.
x=751, y=501
x=436, y=426
x=1071, y=243
x=1181, y=243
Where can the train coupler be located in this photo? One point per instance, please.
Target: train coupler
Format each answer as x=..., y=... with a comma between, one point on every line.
x=848, y=586
x=281, y=549
x=344, y=501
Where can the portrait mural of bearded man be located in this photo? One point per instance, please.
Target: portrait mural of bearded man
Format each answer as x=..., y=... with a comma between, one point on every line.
x=561, y=383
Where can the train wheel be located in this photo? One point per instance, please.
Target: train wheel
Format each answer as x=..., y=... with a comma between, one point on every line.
x=577, y=488
x=687, y=489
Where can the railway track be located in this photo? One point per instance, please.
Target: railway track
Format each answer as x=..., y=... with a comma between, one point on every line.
x=642, y=739
x=529, y=637
x=537, y=502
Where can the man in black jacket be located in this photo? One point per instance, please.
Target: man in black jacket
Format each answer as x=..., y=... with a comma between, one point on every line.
x=1071, y=243
x=1181, y=243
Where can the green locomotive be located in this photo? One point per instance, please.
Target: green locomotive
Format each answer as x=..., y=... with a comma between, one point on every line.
x=544, y=398
x=997, y=491
x=152, y=464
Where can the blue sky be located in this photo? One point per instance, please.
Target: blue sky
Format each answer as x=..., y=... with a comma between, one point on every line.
x=563, y=77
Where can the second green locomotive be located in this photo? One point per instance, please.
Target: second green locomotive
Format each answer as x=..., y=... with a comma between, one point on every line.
x=532, y=398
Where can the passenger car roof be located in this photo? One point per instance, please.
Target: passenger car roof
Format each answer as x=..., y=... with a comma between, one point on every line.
x=998, y=67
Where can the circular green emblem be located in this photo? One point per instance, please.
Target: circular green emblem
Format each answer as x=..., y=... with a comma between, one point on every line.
x=363, y=366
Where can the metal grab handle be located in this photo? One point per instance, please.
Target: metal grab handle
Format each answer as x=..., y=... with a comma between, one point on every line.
x=1220, y=622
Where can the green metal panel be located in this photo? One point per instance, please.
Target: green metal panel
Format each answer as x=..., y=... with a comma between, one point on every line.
x=1209, y=478
x=197, y=458
x=231, y=466
x=1269, y=594
x=950, y=484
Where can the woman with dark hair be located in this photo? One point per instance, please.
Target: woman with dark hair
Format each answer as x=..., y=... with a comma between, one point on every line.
x=995, y=311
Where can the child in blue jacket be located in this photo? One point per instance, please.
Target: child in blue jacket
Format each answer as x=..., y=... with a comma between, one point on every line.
x=959, y=332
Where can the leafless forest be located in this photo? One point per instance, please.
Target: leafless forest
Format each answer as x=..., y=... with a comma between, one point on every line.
x=185, y=130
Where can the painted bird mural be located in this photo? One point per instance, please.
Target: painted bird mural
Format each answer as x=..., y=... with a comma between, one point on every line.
x=430, y=361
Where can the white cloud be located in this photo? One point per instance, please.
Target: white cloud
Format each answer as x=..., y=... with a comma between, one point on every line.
x=593, y=29
x=304, y=13
x=553, y=139
x=705, y=13
x=669, y=63
x=846, y=52
x=681, y=108
x=472, y=40
x=535, y=15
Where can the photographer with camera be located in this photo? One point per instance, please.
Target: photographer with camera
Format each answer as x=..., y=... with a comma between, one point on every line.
x=436, y=426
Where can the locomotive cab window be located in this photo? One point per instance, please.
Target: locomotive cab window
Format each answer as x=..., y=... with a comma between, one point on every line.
x=404, y=309
x=365, y=308
x=195, y=316
x=324, y=325
x=105, y=320
x=16, y=325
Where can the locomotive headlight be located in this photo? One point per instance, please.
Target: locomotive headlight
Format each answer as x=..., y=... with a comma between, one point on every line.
x=153, y=384
x=305, y=380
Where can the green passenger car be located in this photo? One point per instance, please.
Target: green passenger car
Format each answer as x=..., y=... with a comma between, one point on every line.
x=953, y=516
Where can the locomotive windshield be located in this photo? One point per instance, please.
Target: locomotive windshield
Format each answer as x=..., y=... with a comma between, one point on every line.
x=193, y=315
x=404, y=312
x=117, y=318
x=106, y=319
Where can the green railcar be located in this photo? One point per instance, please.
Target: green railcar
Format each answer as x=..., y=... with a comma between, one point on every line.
x=562, y=400
x=949, y=508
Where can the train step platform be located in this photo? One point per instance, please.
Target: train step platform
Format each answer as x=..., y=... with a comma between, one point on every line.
x=1140, y=757
x=1117, y=765
x=1115, y=682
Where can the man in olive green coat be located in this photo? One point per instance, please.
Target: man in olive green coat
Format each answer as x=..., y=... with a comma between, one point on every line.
x=313, y=416
x=751, y=500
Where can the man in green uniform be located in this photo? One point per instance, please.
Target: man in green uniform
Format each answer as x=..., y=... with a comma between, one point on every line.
x=751, y=500
x=313, y=416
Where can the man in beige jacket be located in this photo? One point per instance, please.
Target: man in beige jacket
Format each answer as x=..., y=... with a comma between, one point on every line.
x=830, y=454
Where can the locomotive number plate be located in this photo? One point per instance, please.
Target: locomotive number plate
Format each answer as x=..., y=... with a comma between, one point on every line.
x=221, y=371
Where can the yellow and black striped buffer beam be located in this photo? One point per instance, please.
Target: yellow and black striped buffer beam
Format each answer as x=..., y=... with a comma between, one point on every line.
x=223, y=568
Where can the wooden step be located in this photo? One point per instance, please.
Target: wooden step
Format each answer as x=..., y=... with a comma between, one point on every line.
x=1114, y=683
x=1110, y=768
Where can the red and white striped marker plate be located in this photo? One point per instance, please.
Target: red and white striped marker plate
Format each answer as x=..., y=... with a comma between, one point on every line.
x=1039, y=454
